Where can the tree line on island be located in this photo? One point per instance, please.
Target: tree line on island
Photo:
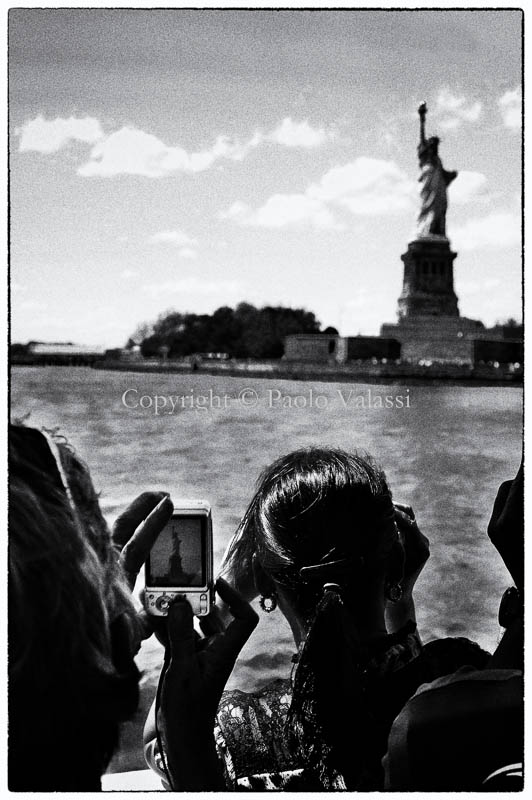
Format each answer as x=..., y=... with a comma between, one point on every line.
x=242, y=332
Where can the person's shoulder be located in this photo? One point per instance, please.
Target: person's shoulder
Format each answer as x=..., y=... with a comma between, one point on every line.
x=448, y=735
x=469, y=675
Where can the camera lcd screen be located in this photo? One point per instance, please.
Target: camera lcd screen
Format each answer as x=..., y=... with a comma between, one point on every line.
x=178, y=556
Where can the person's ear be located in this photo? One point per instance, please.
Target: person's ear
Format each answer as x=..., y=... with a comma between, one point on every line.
x=264, y=584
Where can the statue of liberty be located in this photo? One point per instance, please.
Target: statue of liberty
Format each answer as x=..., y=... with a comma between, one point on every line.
x=175, y=563
x=434, y=180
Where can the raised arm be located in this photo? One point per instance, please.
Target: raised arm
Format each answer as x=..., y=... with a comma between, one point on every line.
x=191, y=687
x=416, y=553
x=422, y=111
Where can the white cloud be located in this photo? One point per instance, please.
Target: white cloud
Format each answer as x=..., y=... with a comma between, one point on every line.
x=299, y=134
x=128, y=274
x=180, y=239
x=192, y=285
x=499, y=229
x=364, y=187
x=177, y=238
x=456, y=110
x=294, y=209
x=468, y=186
x=283, y=210
x=133, y=152
x=130, y=151
x=510, y=106
x=49, y=136
x=237, y=212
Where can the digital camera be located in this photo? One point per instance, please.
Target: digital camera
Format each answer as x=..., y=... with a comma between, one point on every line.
x=180, y=561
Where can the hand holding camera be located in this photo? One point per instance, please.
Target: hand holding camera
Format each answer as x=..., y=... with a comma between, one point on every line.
x=180, y=563
x=192, y=686
x=134, y=534
x=137, y=528
x=178, y=585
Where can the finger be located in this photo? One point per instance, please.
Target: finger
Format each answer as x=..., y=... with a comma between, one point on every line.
x=151, y=623
x=225, y=648
x=181, y=634
x=239, y=608
x=414, y=540
x=408, y=510
x=137, y=511
x=136, y=550
x=212, y=623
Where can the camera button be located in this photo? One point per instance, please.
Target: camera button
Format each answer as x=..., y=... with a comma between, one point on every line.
x=163, y=603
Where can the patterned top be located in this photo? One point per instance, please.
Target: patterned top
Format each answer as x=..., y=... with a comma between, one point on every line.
x=250, y=730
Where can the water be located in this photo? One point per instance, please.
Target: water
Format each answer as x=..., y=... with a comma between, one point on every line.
x=445, y=452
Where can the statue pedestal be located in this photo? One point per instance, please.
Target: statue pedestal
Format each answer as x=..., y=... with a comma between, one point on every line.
x=428, y=283
x=430, y=326
x=435, y=338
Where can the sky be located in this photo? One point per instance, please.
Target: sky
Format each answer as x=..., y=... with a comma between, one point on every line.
x=189, y=159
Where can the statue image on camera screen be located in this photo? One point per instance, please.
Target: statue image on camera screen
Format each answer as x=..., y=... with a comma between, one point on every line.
x=184, y=561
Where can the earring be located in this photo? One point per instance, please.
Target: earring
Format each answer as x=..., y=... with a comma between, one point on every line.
x=268, y=602
x=394, y=592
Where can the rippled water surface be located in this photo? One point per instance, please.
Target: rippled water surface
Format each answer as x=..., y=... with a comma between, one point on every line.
x=445, y=451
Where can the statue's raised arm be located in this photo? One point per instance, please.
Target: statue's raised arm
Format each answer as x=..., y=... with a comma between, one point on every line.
x=433, y=180
x=422, y=111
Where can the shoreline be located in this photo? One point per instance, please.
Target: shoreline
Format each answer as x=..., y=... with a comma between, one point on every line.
x=399, y=374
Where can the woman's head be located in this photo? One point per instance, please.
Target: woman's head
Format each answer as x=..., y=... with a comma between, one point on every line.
x=321, y=516
x=63, y=565
x=314, y=508
x=71, y=620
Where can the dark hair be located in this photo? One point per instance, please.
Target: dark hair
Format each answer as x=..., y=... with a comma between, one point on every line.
x=330, y=512
x=71, y=623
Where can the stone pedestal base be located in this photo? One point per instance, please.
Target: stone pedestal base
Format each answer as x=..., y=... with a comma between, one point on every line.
x=431, y=338
x=428, y=285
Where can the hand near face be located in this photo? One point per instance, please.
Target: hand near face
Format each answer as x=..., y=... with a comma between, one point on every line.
x=506, y=527
x=415, y=544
